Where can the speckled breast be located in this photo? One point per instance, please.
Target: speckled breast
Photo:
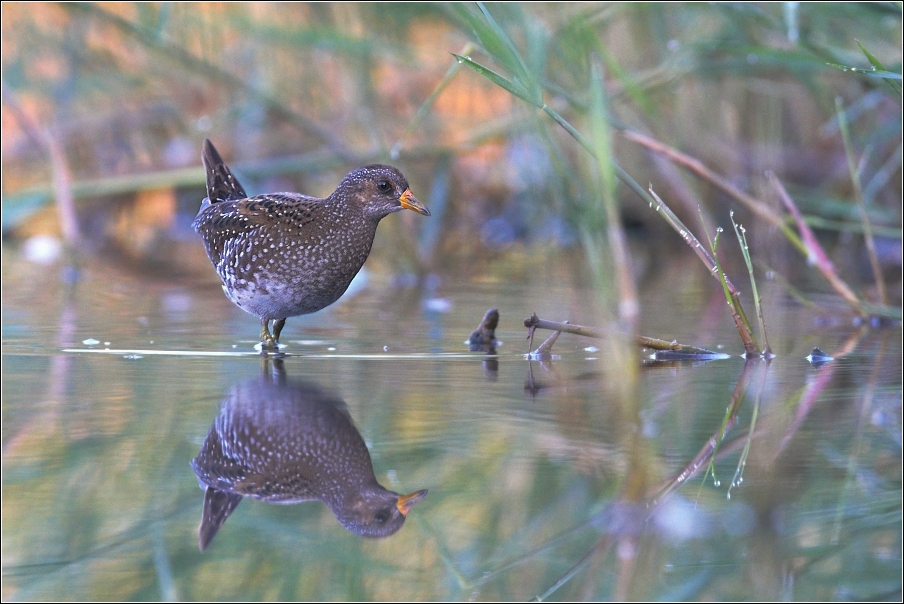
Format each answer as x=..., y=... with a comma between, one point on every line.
x=283, y=267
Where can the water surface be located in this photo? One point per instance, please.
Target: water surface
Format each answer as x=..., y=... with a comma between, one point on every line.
x=543, y=479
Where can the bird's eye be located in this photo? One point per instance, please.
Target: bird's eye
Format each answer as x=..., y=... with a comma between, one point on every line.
x=384, y=186
x=381, y=517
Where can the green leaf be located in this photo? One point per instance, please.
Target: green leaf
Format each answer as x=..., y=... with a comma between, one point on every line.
x=872, y=59
x=600, y=133
x=513, y=87
x=500, y=48
x=877, y=65
x=876, y=73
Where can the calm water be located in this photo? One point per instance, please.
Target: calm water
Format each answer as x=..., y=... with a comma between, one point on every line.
x=544, y=479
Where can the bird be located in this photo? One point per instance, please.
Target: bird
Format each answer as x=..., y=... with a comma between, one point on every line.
x=281, y=255
x=285, y=442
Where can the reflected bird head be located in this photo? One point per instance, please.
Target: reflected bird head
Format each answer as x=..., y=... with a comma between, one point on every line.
x=378, y=512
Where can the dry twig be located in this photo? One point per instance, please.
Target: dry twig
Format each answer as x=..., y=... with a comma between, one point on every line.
x=534, y=322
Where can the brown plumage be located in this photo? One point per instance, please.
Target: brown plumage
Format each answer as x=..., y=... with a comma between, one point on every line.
x=281, y=255
x=287, y=442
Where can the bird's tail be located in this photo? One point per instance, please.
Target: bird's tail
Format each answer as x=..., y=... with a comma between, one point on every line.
x=217, y=507
x=222, y=185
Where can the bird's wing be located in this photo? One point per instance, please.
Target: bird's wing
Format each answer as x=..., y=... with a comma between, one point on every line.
x=245, y=215
x=226, y=463
x=260, y=218
x=215, y=468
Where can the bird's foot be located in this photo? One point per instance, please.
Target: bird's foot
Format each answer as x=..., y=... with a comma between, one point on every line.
x=268, y=342
x=278, y=324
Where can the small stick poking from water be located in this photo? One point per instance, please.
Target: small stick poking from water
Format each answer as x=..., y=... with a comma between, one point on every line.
x=544, y=350
x=484, y=337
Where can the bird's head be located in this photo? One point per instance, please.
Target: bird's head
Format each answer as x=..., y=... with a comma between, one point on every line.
x=378, y=190
x=378, y=512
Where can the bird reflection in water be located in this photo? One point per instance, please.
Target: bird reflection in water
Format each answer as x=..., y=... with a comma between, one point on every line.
x=286, y=442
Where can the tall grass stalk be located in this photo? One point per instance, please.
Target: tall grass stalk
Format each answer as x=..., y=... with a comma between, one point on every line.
x=741, y=234
x=858, y=193
x=710, y=261
x=628, y=307
x=427, y=105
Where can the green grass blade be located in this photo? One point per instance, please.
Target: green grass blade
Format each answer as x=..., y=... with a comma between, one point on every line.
x=501, y=81
x=878, y=71
x=858, y=193
x=428, y=104
x=518, y=67
x=871, y=57
x=499, y=47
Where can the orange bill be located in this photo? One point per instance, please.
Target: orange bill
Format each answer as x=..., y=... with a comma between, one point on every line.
x=410, y=202
x=406, y=502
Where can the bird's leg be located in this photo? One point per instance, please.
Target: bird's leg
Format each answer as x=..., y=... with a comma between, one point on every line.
x=267, y=341
x=277, y=329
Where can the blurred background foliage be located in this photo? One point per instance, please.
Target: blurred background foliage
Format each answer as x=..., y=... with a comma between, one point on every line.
x=105, y=107
x=104, y=110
